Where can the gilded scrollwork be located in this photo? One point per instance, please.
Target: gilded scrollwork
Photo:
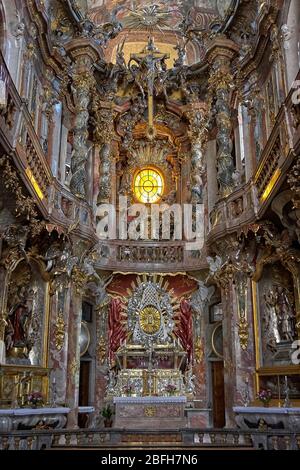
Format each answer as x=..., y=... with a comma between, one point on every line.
x=241, y=288
x=60, y=330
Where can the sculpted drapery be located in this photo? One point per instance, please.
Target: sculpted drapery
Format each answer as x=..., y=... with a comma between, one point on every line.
x=117, y=331
x=184, y=327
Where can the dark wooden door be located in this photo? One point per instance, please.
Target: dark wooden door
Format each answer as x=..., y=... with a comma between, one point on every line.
x=84, y=380
x=84, y=383
x=218, y=394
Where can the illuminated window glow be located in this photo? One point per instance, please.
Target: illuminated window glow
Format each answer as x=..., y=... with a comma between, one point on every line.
x=148, y=185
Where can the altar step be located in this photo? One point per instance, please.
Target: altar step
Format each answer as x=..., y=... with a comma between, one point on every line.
x=154, y=440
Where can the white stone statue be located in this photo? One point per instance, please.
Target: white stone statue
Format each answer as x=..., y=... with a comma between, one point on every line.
x=111, y=382
x=214, y=264
x=190, y=381
x=271, y=319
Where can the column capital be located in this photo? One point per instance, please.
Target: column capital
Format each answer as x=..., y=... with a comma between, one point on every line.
x=221, y=47
x=83, y=49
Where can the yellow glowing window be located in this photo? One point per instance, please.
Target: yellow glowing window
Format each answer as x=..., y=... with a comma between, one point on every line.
x=148, y=185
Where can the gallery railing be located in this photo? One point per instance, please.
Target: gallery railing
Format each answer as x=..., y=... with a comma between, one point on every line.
x=20, y=140
x=106, y=438
x=149, y=255
x=249, y=202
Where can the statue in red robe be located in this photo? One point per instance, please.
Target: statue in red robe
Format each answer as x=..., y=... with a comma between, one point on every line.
x=17, y=327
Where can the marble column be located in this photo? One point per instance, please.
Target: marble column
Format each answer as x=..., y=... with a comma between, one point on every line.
x=238, y=343
x=101, y=356
x=220, y=54
x=227, y=298
x=73, y=371
x=58, y=341
x=2, y=314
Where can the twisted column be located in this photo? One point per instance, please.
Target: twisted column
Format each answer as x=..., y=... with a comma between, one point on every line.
x=220, y=54
x=197, y=116
x=103, y=135
x=82, y=87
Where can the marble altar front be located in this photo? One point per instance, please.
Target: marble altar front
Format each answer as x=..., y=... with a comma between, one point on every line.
x=150, y=412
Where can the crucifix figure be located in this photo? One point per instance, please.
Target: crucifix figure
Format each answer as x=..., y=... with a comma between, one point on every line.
x=151, y=67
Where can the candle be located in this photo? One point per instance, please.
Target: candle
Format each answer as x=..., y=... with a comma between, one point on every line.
x=53, y=380
x=247, y=379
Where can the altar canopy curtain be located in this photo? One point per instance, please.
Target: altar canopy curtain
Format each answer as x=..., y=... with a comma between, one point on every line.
x=117, y=331
x=184, y=329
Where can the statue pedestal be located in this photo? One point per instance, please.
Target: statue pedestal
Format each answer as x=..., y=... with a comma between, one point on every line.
x=150, y=412
x=256, y=417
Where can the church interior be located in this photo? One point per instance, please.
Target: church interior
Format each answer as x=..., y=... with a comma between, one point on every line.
x=149, y=224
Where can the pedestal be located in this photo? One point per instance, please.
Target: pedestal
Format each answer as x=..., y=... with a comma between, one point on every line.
x=11, y=419
x=198, y=417
x=273, y=418
x=150, y=412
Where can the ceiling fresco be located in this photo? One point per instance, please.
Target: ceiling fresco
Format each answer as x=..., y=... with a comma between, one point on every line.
x=170, y=12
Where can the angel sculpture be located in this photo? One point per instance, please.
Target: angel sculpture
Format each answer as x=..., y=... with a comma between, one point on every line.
x=202, y=296
x=190, y=381
x=214, y=265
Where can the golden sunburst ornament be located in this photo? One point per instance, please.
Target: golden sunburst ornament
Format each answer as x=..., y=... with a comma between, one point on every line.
x=150, y=320
x=148, y=18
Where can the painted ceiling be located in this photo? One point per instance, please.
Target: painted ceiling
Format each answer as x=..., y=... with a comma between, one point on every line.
x=173, y=10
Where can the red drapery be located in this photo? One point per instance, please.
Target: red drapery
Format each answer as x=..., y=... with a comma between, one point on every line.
x=184, y=327
x=117, y=330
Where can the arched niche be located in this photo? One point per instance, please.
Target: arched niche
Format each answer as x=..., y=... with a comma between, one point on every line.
x=27, y=313
x=275, y=314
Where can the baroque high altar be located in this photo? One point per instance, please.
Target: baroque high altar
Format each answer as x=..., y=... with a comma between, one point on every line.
x=149, y=216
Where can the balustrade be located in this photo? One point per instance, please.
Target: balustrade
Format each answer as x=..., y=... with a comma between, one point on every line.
x=196, y=438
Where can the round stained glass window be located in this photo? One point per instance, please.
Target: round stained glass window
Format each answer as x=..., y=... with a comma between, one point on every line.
x=148, y=185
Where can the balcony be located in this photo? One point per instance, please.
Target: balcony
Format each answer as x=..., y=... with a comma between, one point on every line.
x=149, y=256
x=20, y=140
x=249, y=202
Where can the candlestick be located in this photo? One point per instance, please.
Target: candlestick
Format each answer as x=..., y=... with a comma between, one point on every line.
x=278, y=387
x=287, y=403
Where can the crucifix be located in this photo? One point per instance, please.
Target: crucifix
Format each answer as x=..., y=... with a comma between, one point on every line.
x=152, y=65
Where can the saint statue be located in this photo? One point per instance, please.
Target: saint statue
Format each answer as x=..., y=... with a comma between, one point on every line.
x=18, y=324
x=271, y=319
x=189, y=381
x=286, y=315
